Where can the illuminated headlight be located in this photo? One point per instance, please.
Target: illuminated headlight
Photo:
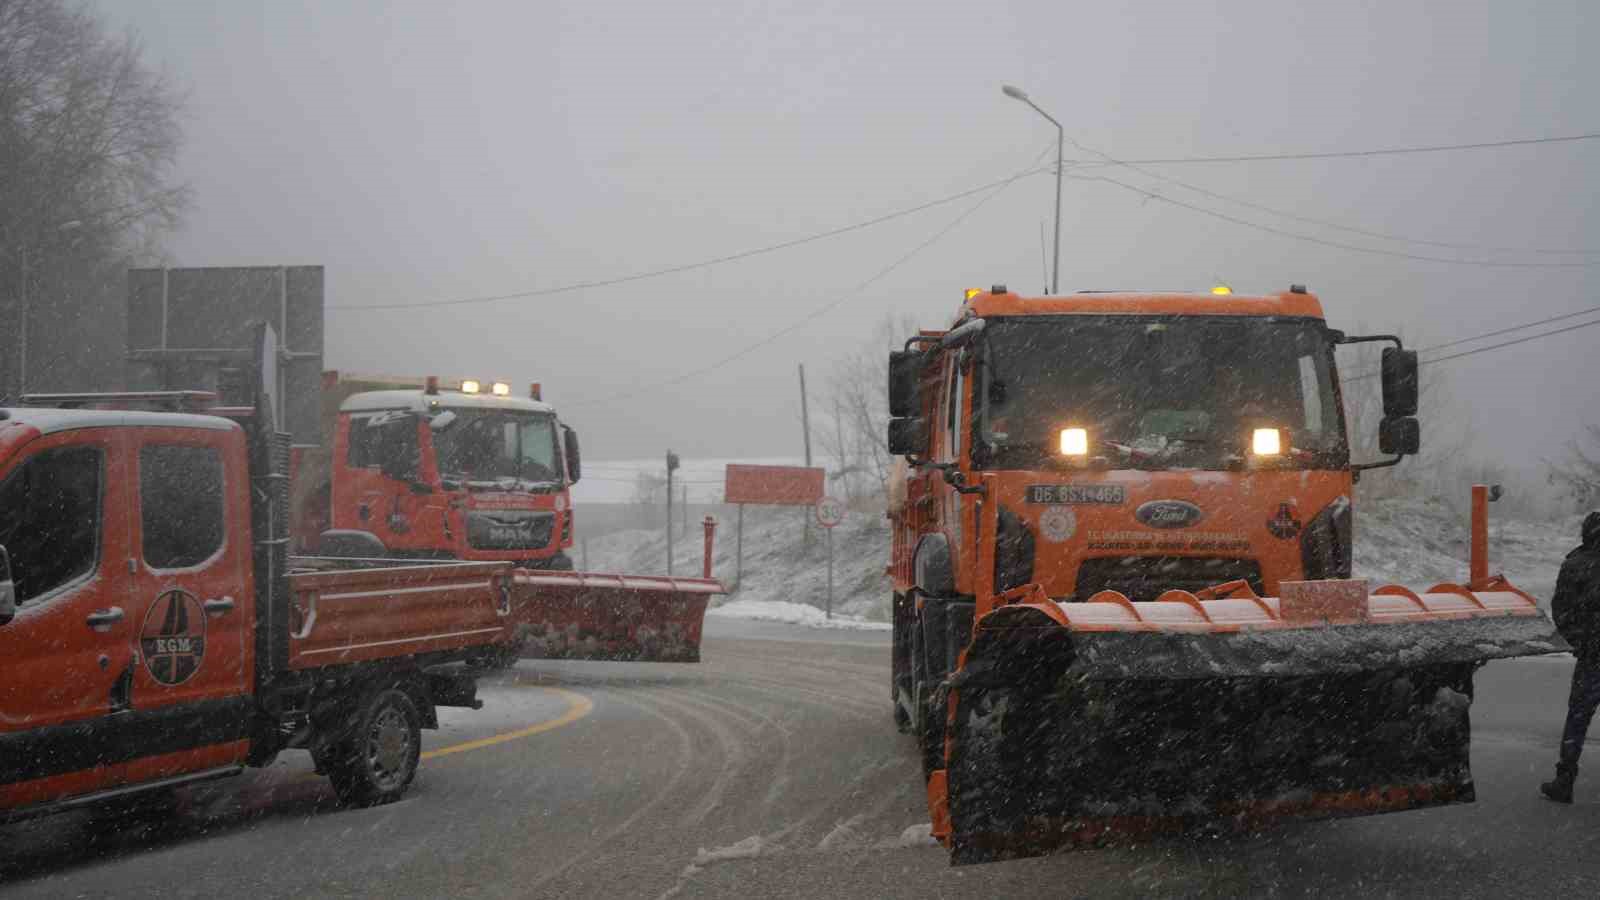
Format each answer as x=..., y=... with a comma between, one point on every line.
x=1074, y=442
x=1266, y=442
x=500, y=389
x=470, y=387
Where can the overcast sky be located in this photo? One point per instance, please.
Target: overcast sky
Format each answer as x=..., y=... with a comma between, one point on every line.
x=431, y=151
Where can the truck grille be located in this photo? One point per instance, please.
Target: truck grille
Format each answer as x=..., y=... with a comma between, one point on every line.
x=1146, y=577
x=509, y=529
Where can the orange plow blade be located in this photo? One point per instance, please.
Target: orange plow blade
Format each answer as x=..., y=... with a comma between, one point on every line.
x=623, y=618
x=1085, y=723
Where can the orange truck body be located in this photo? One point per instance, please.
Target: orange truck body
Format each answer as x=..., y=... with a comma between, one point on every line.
x=160, y=638
x=1063, y=620
x=339, y=491
x=334, y=489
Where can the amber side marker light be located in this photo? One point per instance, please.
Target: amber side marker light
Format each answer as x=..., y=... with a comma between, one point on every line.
x=1074, y=442
x=1267, y=442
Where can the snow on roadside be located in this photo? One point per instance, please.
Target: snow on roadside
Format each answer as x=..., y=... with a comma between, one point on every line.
x=793, y=614
x=1416, y=542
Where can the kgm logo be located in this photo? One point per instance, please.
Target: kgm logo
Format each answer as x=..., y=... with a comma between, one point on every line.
x=174, y=637
x=1168, y=513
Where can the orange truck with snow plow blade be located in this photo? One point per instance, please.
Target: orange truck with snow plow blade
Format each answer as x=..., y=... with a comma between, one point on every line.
x=413, y=469
x=1122, y=593
x=152, y=633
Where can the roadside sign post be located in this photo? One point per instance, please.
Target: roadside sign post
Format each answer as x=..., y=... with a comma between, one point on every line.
x=767, y=486
x=738, y=554
x=830, y=512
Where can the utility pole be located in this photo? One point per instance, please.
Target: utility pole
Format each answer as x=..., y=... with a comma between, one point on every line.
x=672, y=463
x=805, y=418
x=805, y=428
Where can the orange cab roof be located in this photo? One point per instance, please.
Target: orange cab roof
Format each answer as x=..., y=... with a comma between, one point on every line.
x=1287, y=303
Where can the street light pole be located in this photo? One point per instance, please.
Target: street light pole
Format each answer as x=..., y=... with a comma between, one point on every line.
x=22, y=330
x=1061, y=139
x=26, y=316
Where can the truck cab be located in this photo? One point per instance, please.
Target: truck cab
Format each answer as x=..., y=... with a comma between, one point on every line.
x=463, y=474
x=127, y=638
x=1133, y=443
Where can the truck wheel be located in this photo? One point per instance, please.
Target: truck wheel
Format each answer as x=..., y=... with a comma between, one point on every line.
x=559, y=563
x=376, y=763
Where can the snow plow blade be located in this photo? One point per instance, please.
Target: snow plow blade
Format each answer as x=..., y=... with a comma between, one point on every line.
x=1074, y=724
x=621, y=618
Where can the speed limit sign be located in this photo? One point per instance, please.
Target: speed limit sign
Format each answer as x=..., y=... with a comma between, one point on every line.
x=830, y=511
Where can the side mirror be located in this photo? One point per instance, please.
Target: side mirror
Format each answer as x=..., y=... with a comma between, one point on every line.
x=963, y=334
x=905, y=370
x=442, y=421
x=908, y=436
x=1399, y=435
x=8, y=589
x=574, y=458
x=1399, y=371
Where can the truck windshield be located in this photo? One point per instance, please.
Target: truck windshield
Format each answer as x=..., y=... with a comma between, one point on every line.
x=1156, y=392
x=496, y=445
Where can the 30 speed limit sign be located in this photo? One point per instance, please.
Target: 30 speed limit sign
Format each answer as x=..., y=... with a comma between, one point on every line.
x=830, y=511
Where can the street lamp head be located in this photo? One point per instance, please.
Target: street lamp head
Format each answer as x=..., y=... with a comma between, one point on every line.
x=1014, y=93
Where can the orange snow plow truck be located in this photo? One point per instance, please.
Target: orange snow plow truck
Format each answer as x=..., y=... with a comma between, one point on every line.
x=1122, y=592
x=415, y=469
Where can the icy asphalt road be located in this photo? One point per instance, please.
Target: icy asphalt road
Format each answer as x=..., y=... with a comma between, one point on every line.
x=772, y=770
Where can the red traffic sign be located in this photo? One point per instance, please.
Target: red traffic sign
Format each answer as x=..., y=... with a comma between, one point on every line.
x=830, y=511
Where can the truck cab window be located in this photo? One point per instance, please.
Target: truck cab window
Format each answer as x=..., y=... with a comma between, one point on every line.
x=180, y=500
x=58, y=495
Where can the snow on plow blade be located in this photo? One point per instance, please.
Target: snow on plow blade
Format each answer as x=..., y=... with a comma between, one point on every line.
x=625, y=618
x=1086, y=723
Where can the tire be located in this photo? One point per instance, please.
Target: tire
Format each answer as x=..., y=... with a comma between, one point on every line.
x=377, y=761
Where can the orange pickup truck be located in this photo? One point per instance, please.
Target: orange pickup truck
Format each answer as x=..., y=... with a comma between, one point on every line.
x=152, y=633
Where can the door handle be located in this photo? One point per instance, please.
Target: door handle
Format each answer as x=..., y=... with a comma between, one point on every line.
x=219, y=606
x=101, y=618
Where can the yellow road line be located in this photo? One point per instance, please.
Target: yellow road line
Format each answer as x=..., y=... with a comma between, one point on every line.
x=578, y=706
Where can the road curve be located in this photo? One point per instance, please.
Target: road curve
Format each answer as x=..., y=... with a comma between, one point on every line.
x=770, y=769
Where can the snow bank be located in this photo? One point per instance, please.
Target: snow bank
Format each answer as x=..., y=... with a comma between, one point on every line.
x=794, y=614
x=785, y=564
x=1407, y=541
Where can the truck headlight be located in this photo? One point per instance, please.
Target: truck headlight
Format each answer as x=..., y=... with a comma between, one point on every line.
x=1266, y=442
x=1074, y=442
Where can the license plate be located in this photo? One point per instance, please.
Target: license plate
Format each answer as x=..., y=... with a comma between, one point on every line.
x=1077, y=493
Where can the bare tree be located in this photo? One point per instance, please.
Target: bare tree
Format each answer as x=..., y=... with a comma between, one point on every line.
x=89, y=137
x=857, y=390
x=1578, y=475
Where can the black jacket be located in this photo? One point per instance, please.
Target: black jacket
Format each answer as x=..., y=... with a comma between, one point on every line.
x=1576, y=604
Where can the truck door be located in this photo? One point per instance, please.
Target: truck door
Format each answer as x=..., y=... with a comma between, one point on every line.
x=65, y=658
x=193, y=603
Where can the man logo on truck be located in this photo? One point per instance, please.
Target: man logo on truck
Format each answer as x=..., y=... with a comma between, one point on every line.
x=174, y=637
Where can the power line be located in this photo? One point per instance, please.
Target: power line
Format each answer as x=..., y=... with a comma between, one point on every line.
x=1116, y=162
x=1335, y=225
x=1344, y=154
x=700, y=264
x=1511, y=343
x=1355, y=248
x=1489, y=334
x=995, y=190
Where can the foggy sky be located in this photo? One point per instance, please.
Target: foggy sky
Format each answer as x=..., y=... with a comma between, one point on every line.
x=429, y=151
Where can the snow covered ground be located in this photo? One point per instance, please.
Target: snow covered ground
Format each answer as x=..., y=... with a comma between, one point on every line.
x=1413, y=542
x=784, y=572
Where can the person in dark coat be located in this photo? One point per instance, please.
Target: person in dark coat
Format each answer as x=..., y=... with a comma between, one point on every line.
x=1576, y=608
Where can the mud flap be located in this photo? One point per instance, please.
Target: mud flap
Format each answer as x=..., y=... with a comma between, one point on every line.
x=1063, y=738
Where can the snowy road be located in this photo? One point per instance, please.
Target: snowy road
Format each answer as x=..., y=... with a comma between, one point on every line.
x=772, y=769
